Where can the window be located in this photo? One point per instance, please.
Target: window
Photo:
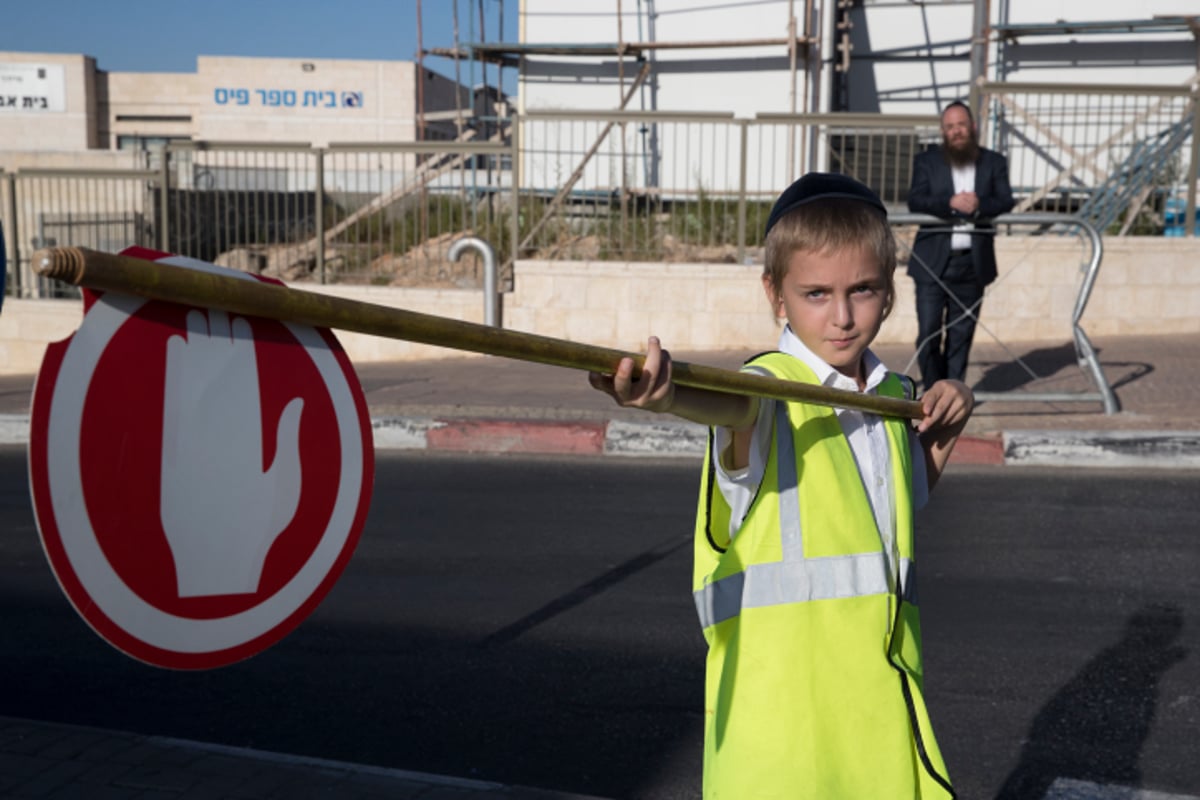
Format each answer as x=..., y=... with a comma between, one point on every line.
x=154, y=118
x=136, y=142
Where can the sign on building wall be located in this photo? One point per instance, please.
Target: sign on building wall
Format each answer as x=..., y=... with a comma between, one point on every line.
x=32, y=87
x=287, y=98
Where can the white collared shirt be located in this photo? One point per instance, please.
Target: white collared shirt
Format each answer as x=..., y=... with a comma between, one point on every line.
x=865, y=433
x=964, y=181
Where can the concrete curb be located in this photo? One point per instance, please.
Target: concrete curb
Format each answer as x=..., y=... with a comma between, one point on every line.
x=1156, y=449
x=1165, y=449
x=14, y=428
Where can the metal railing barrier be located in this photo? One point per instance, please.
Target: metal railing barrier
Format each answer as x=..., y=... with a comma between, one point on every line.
x=1084, y=351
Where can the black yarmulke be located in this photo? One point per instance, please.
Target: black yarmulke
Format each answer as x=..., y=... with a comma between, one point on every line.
x=821, y=186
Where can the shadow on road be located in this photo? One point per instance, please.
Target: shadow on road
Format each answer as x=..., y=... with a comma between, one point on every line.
x=1053, y=369
x=1095, y=726
x=1006, y=376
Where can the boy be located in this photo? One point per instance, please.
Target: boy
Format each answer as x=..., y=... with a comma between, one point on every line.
x=804, y=577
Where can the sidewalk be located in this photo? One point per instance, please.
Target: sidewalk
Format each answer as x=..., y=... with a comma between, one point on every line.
x=485, y=404
x=481, y=403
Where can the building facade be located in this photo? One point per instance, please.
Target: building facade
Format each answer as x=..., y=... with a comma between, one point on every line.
x=62, y=103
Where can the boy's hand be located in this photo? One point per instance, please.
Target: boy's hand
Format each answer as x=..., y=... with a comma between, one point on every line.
x=948, y=405
x=653, y=390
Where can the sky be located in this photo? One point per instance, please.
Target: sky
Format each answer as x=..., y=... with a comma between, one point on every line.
x=167, y=35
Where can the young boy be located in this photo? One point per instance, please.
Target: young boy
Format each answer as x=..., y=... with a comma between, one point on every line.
x=804, y=571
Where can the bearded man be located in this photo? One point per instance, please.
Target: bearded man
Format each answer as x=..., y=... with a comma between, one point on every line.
x=952, y=263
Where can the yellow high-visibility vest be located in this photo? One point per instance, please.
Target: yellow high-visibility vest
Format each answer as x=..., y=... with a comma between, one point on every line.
x=814, y=679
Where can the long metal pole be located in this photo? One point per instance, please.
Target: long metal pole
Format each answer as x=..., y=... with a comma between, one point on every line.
x=980, y=29
x=239, y=295
x=1189, y=220
x=13, y=240
x=164, y=203
x=743, y=160
x=791, y=28
x=319, y=211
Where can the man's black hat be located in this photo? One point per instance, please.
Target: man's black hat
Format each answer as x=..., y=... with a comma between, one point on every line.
x=821, y=186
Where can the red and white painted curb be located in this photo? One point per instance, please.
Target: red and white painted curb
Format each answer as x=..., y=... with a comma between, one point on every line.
x=489, y=436
x=664, y=439
x=614, y=437
x=1167, y=449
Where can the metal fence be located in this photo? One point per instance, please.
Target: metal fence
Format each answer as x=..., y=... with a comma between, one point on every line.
x=100, y=209
x=1122, y=157
x=591, y=185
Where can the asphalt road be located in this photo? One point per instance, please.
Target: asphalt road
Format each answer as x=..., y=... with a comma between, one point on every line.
x=528, y=620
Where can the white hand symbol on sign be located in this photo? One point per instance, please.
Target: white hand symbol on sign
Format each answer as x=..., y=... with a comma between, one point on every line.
x=220, y=512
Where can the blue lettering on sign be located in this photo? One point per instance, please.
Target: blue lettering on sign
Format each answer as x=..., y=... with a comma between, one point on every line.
x=225, y=96
x=273, y=98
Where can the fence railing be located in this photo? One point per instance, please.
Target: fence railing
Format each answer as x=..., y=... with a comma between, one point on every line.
x=591, y=185
x=1115, y=155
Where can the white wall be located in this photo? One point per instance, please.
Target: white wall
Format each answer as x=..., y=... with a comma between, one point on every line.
x=752, y=80
x=688, y=79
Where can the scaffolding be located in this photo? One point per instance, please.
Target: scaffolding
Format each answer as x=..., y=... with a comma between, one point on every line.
x=826, y=46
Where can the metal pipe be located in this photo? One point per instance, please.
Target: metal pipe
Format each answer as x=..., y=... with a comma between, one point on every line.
x=164, y=206
x=743, y=159
x=491, y=298
x=1189, y=220
x=979, y=45
x=13, y=240
x=319, y=213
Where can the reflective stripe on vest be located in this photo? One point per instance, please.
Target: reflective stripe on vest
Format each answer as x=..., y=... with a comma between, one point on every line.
x=797, y=579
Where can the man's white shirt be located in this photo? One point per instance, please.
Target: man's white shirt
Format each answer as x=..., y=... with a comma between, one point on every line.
x=964, y=181
x=868, y=442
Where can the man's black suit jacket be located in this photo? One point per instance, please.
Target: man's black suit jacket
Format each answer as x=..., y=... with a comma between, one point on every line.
x=932, y=188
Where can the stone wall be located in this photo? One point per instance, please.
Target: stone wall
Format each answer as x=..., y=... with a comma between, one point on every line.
x=1145, y=286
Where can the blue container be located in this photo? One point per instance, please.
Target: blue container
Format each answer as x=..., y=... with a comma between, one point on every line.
x=1174, y=211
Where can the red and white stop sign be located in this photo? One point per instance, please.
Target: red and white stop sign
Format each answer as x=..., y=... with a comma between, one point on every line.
x=199, y=479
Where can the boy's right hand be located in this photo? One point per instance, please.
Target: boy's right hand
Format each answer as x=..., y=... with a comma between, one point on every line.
x=653, y=390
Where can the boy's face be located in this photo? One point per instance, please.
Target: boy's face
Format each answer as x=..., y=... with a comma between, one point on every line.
x=834, y=302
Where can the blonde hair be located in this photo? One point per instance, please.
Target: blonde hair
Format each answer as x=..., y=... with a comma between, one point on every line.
x=831, y=225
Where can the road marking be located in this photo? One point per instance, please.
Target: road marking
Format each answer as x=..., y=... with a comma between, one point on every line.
x=1069, y=789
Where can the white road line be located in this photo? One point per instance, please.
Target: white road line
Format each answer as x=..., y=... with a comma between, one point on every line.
x=1070, y=789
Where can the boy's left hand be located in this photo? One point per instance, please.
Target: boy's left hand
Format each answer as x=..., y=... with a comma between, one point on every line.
x=948, y=405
